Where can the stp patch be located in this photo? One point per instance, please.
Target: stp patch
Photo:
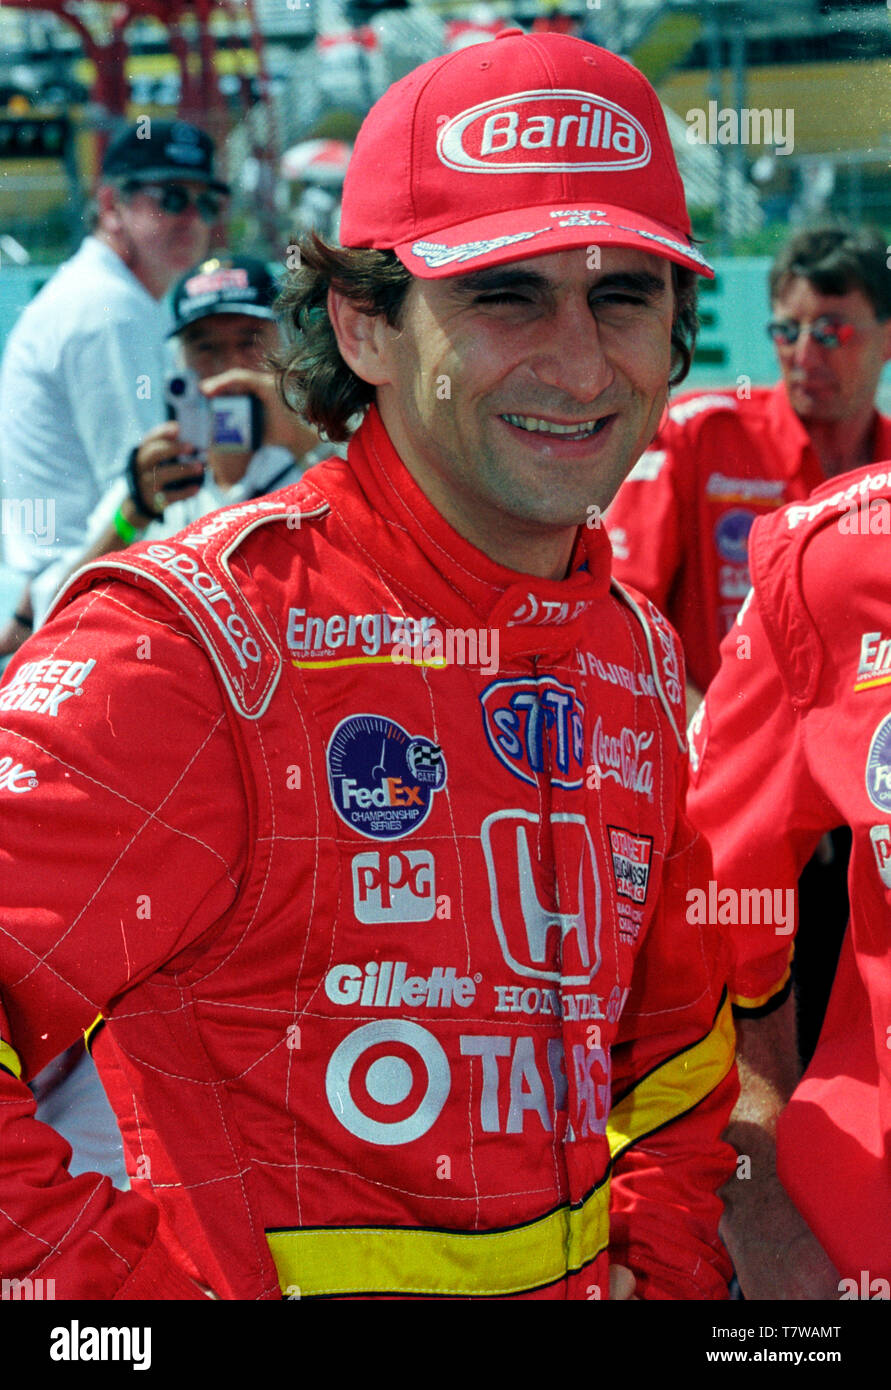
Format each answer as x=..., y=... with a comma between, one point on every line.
x=382, y=779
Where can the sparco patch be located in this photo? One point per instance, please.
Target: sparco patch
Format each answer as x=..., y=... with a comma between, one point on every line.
x=382, y=779
x=878, y=766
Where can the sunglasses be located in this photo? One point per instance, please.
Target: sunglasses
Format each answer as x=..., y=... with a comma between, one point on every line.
x=173, y=199
x=825, y=331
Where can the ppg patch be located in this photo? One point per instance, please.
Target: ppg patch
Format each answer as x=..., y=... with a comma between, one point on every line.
x=631, y=862
x=382, y=778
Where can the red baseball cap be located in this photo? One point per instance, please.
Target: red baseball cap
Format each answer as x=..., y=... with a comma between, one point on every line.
x=529, y=144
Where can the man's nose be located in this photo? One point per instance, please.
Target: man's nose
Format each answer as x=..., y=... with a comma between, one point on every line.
x=806, y=349
x=571, y=357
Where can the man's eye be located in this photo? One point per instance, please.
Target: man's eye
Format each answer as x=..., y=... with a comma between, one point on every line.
x=502, y=297
x=616, y=297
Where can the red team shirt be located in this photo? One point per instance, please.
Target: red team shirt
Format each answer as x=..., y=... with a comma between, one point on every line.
x=680, y=523
x=793, y=738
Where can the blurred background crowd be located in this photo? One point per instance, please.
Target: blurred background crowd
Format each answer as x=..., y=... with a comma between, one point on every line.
x=282, y=86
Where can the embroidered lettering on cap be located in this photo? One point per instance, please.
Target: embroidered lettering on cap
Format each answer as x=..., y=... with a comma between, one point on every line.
x=436, y=253
x=226, y=278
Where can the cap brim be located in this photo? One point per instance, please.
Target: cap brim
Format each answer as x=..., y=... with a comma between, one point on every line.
x=538, y=231
x=251, y=311
x=169, y=175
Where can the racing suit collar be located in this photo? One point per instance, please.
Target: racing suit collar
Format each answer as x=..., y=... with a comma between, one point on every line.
x=535, y=615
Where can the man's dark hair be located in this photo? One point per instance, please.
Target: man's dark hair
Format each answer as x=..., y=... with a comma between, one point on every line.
x=837, y=258
x=313, y=377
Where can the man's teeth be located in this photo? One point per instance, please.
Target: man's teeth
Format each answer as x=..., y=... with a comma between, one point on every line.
x=533, y=423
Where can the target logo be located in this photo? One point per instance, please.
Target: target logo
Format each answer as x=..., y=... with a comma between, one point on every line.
x=387, y=1081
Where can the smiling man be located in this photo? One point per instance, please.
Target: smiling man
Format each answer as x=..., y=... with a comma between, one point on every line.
x=401, y=997
x=511, y=461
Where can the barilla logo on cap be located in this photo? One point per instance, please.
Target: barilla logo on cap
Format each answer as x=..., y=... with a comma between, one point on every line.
x=213, y=282
x=544, y=131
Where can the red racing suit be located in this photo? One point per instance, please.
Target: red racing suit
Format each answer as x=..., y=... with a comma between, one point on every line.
x=680, y=521
x=371, y=854
x=794, y=737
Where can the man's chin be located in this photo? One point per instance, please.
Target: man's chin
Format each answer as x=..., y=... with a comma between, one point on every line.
x=818, y=404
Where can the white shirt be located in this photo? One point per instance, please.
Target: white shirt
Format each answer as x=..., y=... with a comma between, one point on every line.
x=82, y=380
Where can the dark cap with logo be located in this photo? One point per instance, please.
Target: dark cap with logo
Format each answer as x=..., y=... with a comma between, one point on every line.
x=527, y=145
x=224, y=284
x=154, y=151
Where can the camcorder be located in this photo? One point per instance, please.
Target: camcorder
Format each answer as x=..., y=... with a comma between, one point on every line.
x=231, y=424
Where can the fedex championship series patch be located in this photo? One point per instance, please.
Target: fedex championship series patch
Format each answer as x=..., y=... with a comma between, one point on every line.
x=382, y=778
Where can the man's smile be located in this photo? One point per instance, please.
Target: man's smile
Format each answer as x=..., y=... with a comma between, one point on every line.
x=535, y=424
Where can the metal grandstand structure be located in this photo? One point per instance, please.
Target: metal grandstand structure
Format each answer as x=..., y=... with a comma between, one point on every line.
x=316, y=66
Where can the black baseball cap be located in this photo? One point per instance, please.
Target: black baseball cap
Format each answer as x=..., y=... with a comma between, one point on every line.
x=154, y=151
x=224, y=284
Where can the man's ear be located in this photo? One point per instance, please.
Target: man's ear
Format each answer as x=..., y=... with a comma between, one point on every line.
x=363, y=339
x=108, y=208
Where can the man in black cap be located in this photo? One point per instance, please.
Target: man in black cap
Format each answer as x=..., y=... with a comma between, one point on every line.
x=81, y=379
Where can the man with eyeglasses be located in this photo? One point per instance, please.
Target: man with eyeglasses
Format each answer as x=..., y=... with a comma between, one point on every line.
x=82, y=374
x=680, y=522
